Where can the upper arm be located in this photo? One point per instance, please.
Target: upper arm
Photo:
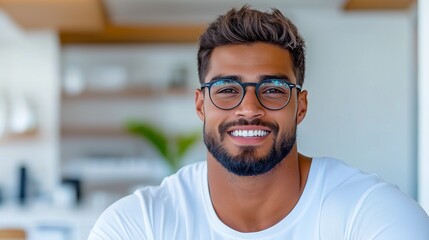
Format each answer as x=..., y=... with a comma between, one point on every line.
x=388, y=214
x=122, y=220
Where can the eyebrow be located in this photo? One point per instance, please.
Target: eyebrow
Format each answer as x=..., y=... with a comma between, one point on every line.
x=261, y=77
x=232, y=77
x=278, y=76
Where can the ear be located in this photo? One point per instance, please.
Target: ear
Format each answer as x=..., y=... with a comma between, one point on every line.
x=199, y=103
x=302, y=106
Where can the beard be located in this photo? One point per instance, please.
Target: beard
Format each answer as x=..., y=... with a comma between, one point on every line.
x=246, y=162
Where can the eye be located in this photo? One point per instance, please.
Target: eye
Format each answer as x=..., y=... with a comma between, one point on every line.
x=273, y=90
x=226, y=87
x=227, y=90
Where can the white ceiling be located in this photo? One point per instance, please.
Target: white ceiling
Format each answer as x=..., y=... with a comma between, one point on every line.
x=134, y=12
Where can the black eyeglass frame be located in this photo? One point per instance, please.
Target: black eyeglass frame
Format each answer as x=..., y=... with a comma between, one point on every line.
x=256, y=85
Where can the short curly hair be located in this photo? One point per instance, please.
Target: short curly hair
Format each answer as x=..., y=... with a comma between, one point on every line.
x=246, y=26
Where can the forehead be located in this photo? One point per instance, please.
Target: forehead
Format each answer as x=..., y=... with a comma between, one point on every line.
x=249, y=61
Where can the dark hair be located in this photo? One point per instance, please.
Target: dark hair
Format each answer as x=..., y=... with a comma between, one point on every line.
x=247, y=26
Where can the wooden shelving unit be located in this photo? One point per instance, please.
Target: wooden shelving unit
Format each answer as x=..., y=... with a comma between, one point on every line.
x=130, y=92
x=33, y=135
x=94, y=132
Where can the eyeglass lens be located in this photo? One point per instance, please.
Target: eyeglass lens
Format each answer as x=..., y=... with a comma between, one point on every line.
x=272, y=94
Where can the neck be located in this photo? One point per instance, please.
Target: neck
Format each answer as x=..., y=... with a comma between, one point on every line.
x=250, y=204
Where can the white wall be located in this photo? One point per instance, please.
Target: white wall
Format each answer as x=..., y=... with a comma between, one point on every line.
x=150, y=66
x=423, y=103
x=361, y=92
x=29, y=67
x=359, y=77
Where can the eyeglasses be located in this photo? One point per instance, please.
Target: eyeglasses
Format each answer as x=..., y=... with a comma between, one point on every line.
x=273, y=94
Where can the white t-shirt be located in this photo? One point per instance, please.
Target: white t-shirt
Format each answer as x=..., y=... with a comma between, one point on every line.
x=338, y=203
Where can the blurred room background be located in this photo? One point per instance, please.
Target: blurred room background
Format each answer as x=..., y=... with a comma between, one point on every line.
x=74, y=75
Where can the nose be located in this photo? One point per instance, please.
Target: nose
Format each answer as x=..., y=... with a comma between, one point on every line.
x=250, y=107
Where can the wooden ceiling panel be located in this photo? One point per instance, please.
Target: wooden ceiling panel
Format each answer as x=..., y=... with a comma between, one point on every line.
x=138, y=34
x=359, y=5
x=86, y=21
x=65, y=15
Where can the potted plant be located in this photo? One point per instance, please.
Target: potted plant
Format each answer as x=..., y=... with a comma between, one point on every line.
x=171, y=149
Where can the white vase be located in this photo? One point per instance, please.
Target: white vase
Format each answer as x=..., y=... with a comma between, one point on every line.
x=22, y=118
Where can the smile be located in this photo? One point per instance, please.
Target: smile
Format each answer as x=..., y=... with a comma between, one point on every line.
x=249, y=133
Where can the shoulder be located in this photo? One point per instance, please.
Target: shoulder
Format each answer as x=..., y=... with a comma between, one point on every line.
x=136, y=216
x=184, y=183
x=332, y=173
x=187, y=174
x=118, y=221
x=384, y=212
x=358, y=205
x=343, y=188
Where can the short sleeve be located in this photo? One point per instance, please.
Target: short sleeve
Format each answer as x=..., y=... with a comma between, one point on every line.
x=385, y=213
x=122, y=220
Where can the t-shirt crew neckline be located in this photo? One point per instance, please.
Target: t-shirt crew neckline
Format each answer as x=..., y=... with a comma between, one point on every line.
x=272, y=231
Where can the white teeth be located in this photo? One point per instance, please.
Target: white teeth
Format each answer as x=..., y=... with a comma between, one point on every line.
x=249, y=133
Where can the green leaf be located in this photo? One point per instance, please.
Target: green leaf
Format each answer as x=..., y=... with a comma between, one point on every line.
x=173, y=154
x=184, y=143
x=152, y=134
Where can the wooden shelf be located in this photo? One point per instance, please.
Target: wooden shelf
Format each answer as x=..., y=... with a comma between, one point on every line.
x=138, y=92
x=114, y=131
x=95, y=132
x=362, y=5
x=32, y=135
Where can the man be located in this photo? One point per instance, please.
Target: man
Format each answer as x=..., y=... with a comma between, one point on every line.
x=255, y=184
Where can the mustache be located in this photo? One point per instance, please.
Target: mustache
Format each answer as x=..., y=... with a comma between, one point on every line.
x=274, y=127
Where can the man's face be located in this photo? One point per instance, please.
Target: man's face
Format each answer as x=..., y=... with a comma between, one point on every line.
x=250, y=139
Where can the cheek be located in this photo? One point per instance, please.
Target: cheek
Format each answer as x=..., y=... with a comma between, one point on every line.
x=212, y=119
x=286, y=122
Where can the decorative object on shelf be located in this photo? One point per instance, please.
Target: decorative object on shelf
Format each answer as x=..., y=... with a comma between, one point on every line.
x=173, y=149
x=64, y=196
x=22, y=185
x=17, y=118
x=26, y=190
x=74, y=81
x=179, y=76
x=76, y=186
x=108, y=78
x=22, y=118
